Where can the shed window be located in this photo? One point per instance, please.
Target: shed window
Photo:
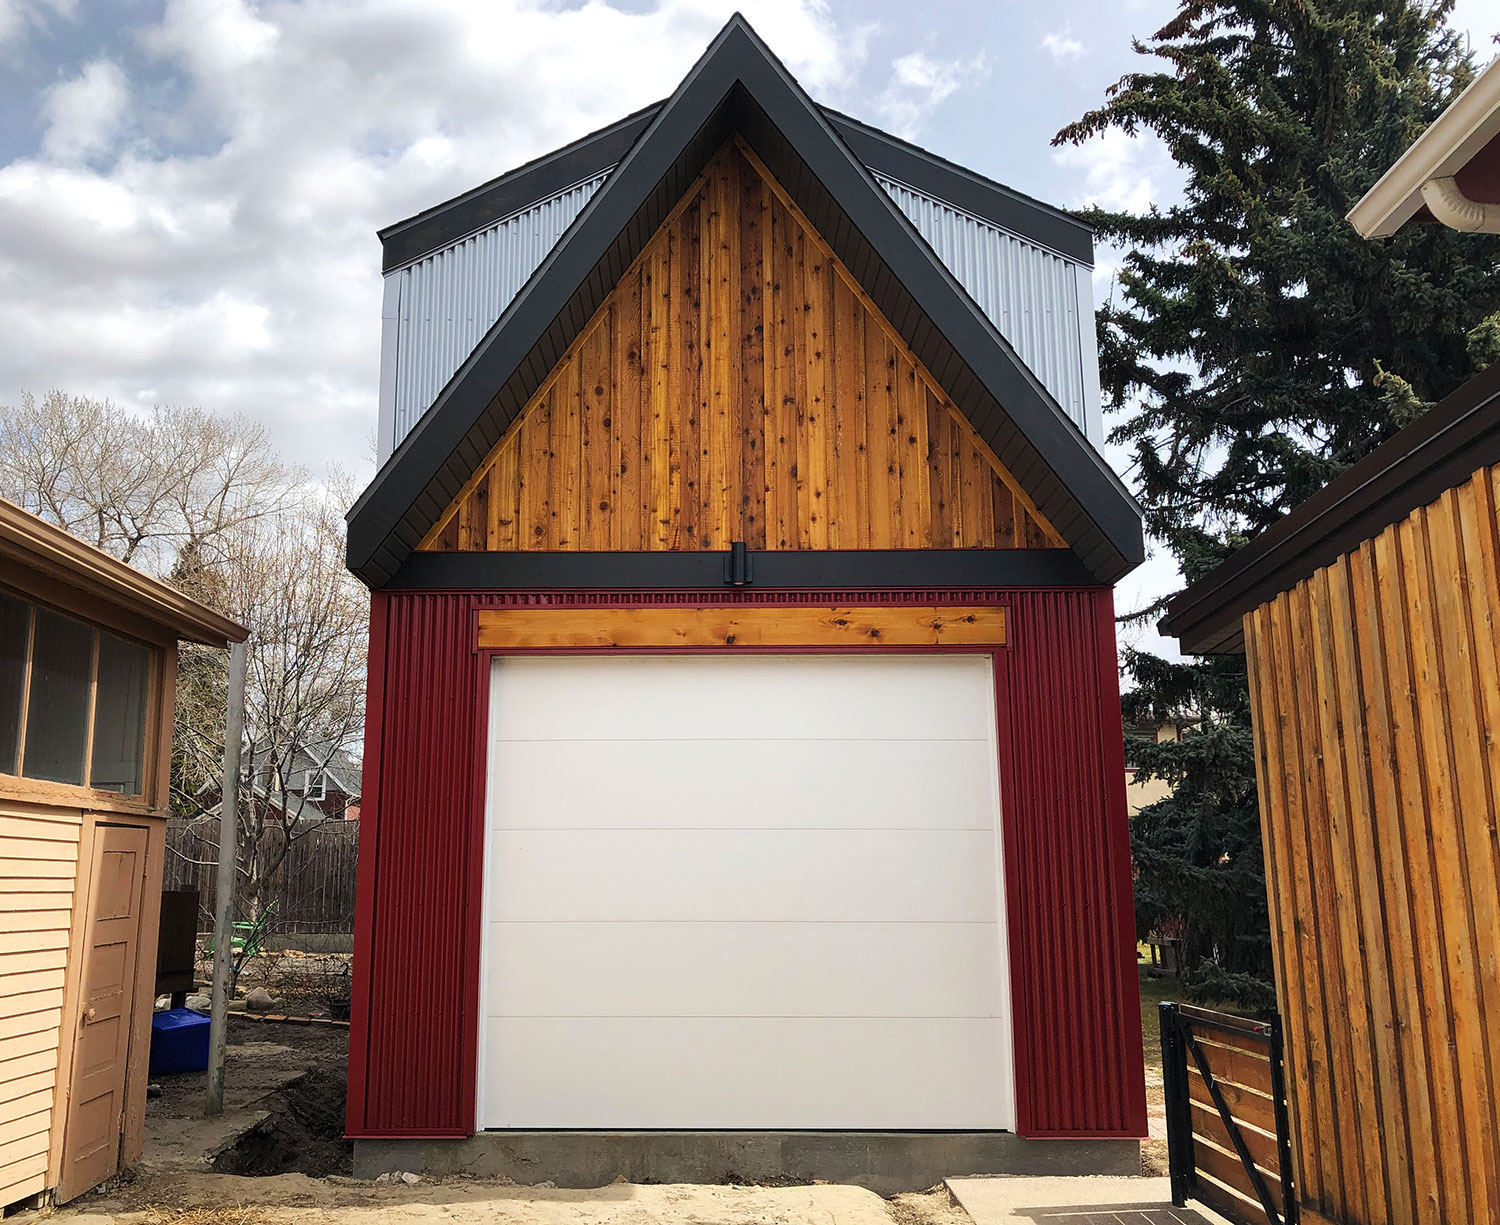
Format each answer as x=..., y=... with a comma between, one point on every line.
x=57, y=709
x=120, y=715
x=73, y=700
x=15, y=637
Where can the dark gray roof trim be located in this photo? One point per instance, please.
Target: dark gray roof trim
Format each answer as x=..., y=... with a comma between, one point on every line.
x=1033, y=219
x=739, y=86
x=770, y=570
x=1442, y=448
x=444, y=224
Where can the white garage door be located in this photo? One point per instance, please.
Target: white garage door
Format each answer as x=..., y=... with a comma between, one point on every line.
x=744, y=892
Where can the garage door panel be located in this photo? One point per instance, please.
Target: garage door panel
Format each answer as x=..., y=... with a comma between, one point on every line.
x=718, y=1072
x=818, y=784
x=743, y=969
x=749, y=697
x=744, y=892
x=933, y=876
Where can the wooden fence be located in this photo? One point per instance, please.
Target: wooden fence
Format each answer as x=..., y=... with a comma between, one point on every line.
x=1227, y=1133
x=313, y=889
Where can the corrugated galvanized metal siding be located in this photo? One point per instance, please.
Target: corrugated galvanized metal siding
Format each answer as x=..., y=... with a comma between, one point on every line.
x=413, y=1057
x=448, y=300
x=1029, y=292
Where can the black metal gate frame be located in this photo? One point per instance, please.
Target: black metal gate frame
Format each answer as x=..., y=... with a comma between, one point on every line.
x=1177, y=1042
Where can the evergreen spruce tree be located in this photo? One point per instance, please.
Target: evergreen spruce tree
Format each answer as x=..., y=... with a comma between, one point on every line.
x=1256, y=345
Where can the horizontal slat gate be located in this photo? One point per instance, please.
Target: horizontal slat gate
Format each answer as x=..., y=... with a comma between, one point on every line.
x=1227, y=1132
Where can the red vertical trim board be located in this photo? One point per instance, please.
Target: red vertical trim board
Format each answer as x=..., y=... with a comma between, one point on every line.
x=365, y=868
x=415, y=1033
x=1117, y=850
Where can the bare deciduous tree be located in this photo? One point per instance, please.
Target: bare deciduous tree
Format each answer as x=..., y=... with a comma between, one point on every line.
x=304, y=693
x=206, y=503
x=142, y=487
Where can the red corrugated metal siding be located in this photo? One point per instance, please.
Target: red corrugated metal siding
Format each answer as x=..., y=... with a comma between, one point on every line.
x=1077, y=1021
x=418, y=923
x=1067, y=852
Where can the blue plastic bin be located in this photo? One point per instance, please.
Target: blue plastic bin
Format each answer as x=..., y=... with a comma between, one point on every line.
x=179, y=1041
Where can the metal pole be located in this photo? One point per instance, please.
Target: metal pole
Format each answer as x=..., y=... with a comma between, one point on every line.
x=229, y=807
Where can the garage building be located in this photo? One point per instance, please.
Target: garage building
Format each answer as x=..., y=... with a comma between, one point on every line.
x=744, y=775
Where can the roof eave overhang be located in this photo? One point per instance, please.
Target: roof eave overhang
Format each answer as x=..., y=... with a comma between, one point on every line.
x=1440, y=450
x=1470, y=122
x=45, y=549
x=738, y=86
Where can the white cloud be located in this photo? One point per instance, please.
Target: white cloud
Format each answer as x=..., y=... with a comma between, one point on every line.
x=17, y=17
x=84, y=114
x=920, y=83
x=1121, y=172
x=1062, y=45
x=222, y=252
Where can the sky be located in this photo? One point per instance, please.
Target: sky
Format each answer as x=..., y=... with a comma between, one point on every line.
x=189, y=190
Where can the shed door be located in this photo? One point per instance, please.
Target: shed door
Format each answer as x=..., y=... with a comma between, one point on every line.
x=96, y=1100
x=744, y=892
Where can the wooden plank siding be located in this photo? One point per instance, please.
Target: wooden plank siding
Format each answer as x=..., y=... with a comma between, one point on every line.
x=38, y=869
x=738, y=385
x=1376, y=693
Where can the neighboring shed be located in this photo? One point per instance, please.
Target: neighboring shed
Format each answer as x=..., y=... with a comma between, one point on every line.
x=1368, y=622
x=88, y=659
x=744, y=779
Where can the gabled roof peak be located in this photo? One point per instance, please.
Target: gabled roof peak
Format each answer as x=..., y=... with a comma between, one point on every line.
x=738, y=85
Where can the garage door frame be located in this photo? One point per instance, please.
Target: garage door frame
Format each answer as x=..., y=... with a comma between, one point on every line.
x=862, y=627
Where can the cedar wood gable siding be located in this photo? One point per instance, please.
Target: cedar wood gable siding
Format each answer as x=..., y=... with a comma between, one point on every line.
x=738, y=385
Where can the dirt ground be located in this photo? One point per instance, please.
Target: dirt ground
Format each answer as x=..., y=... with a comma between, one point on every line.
x=220, y=1199
x=284, y=1106
x=278, y=1154
x=304, y=984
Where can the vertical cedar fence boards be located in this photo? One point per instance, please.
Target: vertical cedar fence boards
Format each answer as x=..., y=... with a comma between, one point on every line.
x=1227, y=1135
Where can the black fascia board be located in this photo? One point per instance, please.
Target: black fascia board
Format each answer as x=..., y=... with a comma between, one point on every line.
x=1440, y=450
x=405, y=242
x=848, y=569
x=738, y=85
x=1032, y=219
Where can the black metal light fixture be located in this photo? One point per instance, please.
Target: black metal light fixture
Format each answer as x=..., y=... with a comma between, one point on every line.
x=737, y=565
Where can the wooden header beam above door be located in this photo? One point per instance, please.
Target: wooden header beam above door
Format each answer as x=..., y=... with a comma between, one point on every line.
x=530, y=629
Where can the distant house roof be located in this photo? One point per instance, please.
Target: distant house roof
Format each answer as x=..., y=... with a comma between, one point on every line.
x=40, y=546
x=1441, y=449
x=1451, y=173
x=343, y=770
x=738, y=85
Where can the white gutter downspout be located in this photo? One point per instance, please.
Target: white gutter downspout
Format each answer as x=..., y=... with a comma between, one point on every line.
x=1446, y=201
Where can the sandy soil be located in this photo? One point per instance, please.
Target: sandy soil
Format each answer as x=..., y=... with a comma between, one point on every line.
x=223, y=1199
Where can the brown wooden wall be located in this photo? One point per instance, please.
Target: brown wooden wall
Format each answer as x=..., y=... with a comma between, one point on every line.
x=1376, y=690
x=738, y=385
